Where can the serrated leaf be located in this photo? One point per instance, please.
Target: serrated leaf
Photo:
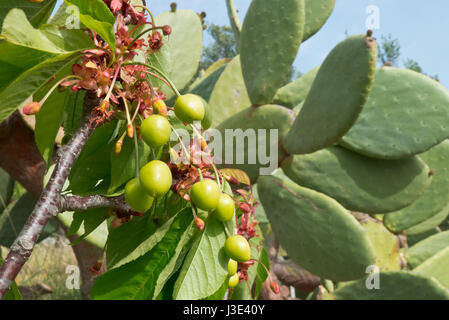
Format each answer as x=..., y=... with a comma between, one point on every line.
x=206, y=257
x=96, y=237
x=92, y=170
x=36, y=13
x=144, y=278
x=237, y=174
x=95, y=15
x=262, y=274
x=87, y=222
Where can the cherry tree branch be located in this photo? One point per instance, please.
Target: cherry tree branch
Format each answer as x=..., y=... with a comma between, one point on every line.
x=49, y=204
x=77, y=203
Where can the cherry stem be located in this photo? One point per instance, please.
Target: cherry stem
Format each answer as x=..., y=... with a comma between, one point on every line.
x=142, y=33
x=180, y=140
x=136, y=146
x=113, y=81
x=55, y=86
x=162, y=74
x=128, y=117
x=137, y=111
x=158, y=77
x=200, y=174
x=264, y=266
x=148, y=10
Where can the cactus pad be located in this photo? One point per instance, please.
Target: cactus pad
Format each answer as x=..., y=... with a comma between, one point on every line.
x=252, y=119
x=394, y=286
x=360, y=183
x=185, y=44
x=436, y=266
x=337, y=96
x=385, y=244
x=435, y=198
x=406, y=114
x=296, y=92
x=426, y=248
x=271, y=34
x=229, y=95
x=317, y=13
x=317, y=232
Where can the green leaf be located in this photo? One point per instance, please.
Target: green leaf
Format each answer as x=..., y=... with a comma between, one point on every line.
x=73, y=113
x=271, y=35
x=36, y=13
x=205, y=267
x=123, y=165
x=6, y=189
x=95, y=15
x=144, y=278
x=262, y=274
x=96, y=237
x=89, y=221
x=51, y=115
x=337, y=96
x=134, y=239
x=11, y=223
x=92, y=170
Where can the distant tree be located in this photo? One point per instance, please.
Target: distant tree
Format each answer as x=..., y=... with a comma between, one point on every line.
x=413, y=65
x=389, y=50
x=222, y=46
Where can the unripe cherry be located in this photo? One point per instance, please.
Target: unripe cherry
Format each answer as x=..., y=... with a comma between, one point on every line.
x=136, y=197
x=189, y=108
x=232, y=267
x=233, y=281
x=156, y=178
x=205, y=194
x=155, y=130
x=237, y=248
x=225, y=208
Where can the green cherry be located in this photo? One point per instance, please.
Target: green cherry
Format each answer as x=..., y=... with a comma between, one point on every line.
x=225, y=208
x=136, y=197
x=237, y=248
x=205, y=194
x=233, y=281
x=155, y=130
x=156, y=178
x=189, y=108
x=232, y=267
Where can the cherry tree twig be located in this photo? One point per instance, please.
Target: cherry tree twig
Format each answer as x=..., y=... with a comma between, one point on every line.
x=51, y=202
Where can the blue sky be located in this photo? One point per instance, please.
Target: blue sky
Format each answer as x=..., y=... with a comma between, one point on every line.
x=421, y=27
